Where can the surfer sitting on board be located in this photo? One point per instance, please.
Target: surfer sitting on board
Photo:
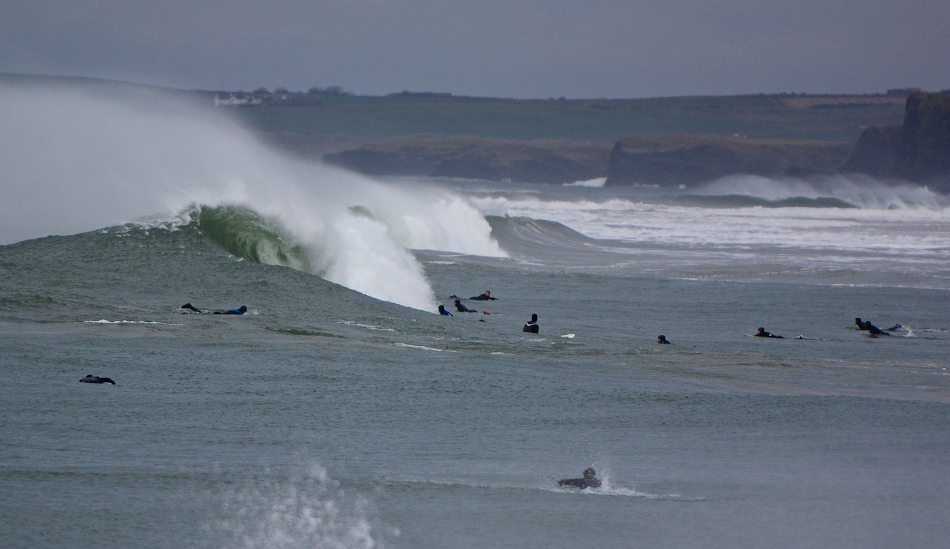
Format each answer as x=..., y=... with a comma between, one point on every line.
x=531, y=326
x=590, y=480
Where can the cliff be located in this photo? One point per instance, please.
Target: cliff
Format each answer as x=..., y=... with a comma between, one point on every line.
x=918, y=150
x=478, y=158
x=875, y=152
x=678, y=159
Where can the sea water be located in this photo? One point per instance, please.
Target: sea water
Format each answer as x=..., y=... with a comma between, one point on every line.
x=342, y=412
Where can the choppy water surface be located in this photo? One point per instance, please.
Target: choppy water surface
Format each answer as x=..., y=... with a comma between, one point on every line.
x=328, y=418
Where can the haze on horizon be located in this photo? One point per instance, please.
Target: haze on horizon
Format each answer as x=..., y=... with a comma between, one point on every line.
x=500, y=48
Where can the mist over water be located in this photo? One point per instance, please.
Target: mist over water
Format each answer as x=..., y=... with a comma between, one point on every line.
x=74, y=162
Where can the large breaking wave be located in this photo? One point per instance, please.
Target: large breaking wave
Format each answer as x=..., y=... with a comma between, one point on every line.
x=72, y=162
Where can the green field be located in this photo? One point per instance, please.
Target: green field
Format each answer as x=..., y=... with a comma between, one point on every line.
x=827, y=118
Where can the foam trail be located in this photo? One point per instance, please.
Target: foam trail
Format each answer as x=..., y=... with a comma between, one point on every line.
x=73, y=162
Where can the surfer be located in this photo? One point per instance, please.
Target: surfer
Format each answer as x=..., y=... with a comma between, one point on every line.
x=239, y=311
x=762, y=333
x=531, y=326
x=862, y=325
x=96, y=379
x=484, y=297
x=462, y=308
x=443, y=312
x=874, y=330
x=661, y=339
x=590, y=480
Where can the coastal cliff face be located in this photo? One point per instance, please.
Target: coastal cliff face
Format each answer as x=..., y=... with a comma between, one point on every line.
x=924, y=151
x=875, y=152
x=918, y=150
x=675, y=159
x=478, y=158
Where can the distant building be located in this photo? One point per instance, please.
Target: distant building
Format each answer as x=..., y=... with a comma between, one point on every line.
x=232, y=101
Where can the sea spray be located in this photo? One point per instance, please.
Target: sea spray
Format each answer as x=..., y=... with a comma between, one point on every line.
x=306, y=510
x=72, y=162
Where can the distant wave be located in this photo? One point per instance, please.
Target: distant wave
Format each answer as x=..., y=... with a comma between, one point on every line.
x=597, y=182
x=745, y=201
x=834, y=191
x=519, y=231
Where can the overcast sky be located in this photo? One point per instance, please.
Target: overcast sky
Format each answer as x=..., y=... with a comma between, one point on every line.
x=506, y=48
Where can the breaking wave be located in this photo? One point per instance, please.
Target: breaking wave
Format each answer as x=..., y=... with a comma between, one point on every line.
x=72, y=162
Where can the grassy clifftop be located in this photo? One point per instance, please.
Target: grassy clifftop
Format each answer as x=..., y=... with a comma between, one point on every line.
x=829, y=118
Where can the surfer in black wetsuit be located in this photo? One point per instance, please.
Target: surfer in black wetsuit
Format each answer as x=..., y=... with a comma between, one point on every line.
x=96, y=379
x=484, y=297
x=462, y=308
x=239, y=311
x=443, y=312
x=874, y=330
x=661, y=339
x=531, y=326
x=862, y=325
x=590, y=480
x=762, y=333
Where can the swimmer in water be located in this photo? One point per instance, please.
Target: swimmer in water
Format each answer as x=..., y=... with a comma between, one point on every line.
x=590, y=480
x=443, y=312
x=531, y=326
x=762, y=333
x=484, y=297
x=462, y=308
x=96, y=379
x=661, y=339
x=862, y=325
x=190, y=307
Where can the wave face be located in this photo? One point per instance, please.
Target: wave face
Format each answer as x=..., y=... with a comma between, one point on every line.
x=74, y=162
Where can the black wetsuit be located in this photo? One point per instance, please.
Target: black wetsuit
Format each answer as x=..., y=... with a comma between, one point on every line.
x=531, y=327
x=463, y=309
x=874, y=330
x=96, y=379
x=483, y=297
x=581, y=483
x=190, y=307
x=767, y=334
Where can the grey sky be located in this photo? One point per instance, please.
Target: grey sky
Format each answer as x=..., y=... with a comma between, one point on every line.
x=527, y=48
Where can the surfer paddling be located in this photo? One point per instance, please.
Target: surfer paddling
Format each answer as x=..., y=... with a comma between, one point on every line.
x=239, y=311
x=590, y=480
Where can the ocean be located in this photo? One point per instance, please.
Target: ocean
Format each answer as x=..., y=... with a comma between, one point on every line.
x=343, y=412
